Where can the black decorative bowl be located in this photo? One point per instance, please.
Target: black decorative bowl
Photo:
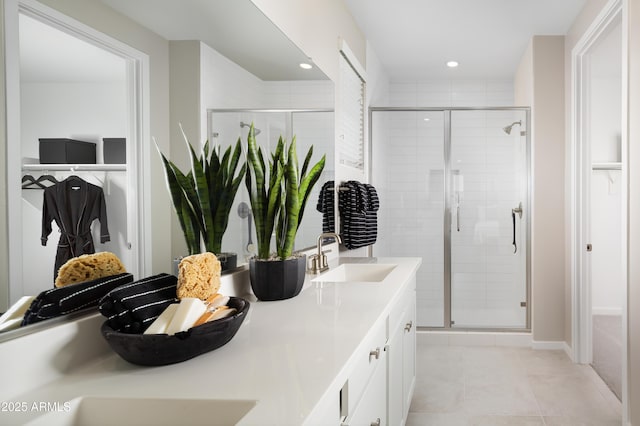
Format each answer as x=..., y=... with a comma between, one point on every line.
x=163, y=349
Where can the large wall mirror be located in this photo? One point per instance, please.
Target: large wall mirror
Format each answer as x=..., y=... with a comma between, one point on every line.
x=264, y=84
x=283, y=100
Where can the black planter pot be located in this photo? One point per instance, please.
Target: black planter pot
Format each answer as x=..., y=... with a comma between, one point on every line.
x=277, y=279
x=228, y=261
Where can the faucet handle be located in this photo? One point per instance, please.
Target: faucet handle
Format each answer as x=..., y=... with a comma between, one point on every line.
x=313, y=266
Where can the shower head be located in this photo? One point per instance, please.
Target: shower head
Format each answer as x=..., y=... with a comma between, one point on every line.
x=507, y=129
x=255, y=129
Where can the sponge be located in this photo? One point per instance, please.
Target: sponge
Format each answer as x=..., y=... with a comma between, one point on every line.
x=198, y=276
x=89, y=267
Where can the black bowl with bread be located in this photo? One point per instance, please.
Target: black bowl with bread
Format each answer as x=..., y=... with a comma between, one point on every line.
x=163, y=349
x=165, y=319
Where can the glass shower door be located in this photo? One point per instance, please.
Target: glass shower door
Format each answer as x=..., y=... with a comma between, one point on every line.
x=488, y=202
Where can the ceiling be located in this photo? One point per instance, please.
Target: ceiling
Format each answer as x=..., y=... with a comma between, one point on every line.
x=414, y=39
x=49, y=55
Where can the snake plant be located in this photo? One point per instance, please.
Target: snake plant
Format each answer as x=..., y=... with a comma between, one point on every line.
x=279, y=202
x=203, y=197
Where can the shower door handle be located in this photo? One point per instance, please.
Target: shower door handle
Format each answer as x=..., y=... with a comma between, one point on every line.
x=517, y=210
x=513, y=219
x=458, y=217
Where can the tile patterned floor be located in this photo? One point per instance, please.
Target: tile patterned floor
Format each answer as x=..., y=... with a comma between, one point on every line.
x=495, y=386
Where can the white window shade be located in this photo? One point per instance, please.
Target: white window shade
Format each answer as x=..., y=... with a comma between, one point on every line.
x=351, y=143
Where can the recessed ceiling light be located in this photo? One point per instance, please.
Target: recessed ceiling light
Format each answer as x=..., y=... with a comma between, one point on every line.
x=452, y=64
x=305, y=66
x=427, y=119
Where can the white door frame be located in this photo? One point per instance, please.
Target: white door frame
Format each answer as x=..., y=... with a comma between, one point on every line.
x=138, y=152
x=581, y=322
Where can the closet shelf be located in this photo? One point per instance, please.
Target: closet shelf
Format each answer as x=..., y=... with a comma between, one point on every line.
x=606, y=166
x=75, y=167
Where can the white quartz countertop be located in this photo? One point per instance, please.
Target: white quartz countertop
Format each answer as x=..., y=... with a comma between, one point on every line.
x=286, y=356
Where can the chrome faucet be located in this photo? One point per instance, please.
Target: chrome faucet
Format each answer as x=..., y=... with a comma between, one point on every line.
x=319, y=261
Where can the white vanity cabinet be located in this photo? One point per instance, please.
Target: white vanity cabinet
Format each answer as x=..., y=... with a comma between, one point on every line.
x=363, y=397
x=401, y=357
x=380, y=386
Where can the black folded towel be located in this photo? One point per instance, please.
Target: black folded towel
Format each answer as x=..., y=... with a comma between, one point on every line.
x=133, y=307
x=75, y=297
x=325, y=205
x=372, y=195
x=358, y=204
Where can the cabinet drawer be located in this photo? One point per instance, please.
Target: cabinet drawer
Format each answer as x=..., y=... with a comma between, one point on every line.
x=398, y=310
x=369, y=357
x=372, y=407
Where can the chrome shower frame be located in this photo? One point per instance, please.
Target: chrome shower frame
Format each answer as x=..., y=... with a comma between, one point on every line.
x=448, y=176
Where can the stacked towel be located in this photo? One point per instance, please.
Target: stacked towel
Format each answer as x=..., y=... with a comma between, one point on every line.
x=65, y=300
x=358, y=204
x=325, y=205
x=133, y=307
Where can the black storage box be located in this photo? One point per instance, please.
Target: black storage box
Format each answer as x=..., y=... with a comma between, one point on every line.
x=114, y=150
x=67, y=151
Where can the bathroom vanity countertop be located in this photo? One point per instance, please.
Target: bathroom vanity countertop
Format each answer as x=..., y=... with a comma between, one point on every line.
x=286, y=356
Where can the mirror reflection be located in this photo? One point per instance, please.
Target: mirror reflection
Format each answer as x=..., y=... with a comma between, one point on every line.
x=73, y=89
x=311, y=127
x=74, y=129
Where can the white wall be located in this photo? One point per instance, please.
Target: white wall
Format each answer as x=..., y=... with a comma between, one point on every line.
x=606, y=196
x=606, y=238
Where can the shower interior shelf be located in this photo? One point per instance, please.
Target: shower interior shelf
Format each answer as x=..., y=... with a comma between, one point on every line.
x=75, y=167
x=606, y=166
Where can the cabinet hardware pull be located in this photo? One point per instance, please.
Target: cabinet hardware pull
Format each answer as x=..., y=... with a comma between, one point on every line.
x=376, y=423
x=375, y=353
x=407, y=327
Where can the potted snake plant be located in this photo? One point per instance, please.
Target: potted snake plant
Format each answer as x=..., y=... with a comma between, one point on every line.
x=202, y=198
x=278, y=205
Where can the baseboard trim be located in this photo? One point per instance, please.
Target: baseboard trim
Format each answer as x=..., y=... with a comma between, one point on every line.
x=569, y=351
x=606, y=311
x=548, y=345
x=475, y=338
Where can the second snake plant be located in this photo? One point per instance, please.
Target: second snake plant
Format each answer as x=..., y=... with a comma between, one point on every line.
x=278, y=203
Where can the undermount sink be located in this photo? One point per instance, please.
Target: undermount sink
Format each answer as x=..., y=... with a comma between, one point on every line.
x=147, y=411
x=356, y=272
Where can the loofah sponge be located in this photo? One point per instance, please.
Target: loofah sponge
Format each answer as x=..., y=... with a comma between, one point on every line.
x=198, y=276
x=89, y=267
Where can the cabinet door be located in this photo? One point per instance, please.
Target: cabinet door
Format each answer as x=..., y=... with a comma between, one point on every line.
x=372, y=408
x=395, y=375
x=409, y=356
